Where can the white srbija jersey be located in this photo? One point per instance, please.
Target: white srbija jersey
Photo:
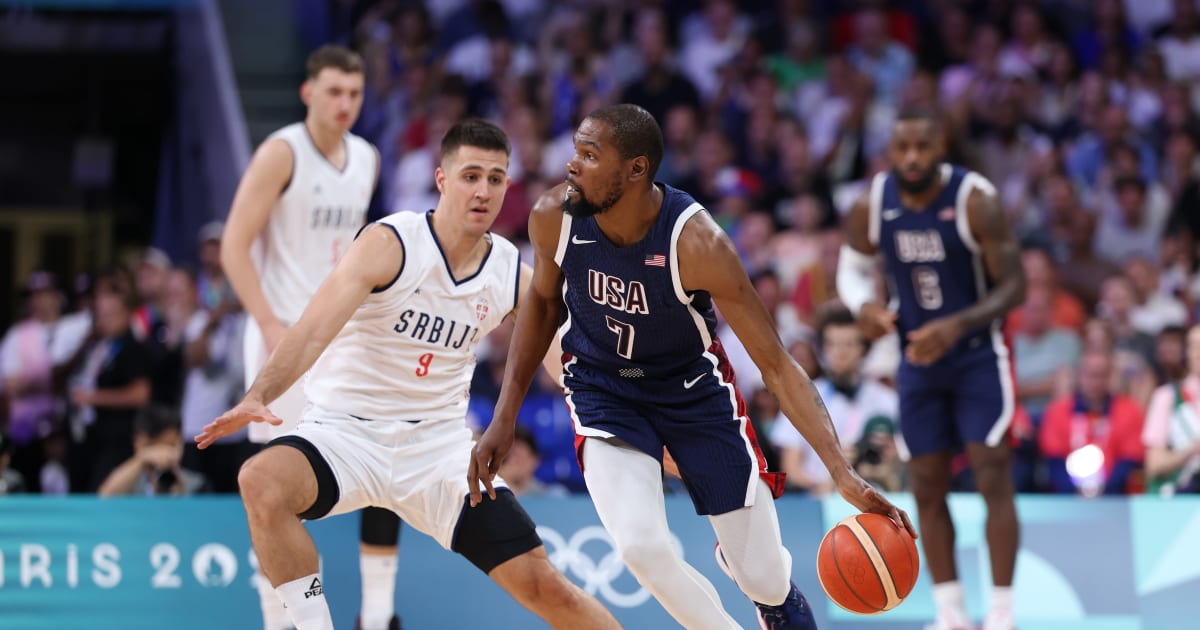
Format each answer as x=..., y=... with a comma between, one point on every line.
x=408, y=352
x=314, y=220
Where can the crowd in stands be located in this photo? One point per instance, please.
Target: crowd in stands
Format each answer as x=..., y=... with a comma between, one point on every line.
x=775, y=115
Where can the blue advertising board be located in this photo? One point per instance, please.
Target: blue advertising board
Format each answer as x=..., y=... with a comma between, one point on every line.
x=187, y=563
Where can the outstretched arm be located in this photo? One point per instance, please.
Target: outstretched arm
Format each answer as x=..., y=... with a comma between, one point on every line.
x=371, y=261
x=537, y=319
x=709, y=262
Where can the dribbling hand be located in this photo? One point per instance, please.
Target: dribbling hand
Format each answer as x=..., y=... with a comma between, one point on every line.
x=234, y=420
x=866, y=498
x=487, y=455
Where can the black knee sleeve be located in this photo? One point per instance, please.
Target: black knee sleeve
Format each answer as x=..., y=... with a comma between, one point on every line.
x=327, y=488
x=494, y=532
x=379, y=526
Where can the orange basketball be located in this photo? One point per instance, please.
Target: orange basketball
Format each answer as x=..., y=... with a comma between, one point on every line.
x=867, y=564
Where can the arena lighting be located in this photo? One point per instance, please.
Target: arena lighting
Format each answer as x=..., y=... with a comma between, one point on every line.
x=1085, y=465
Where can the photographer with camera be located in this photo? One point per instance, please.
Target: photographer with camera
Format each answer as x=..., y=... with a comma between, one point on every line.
x=155, y=466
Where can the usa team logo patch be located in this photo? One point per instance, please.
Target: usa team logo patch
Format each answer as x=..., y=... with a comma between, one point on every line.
x=656, y=260
x=947, y=213
x=481, y=310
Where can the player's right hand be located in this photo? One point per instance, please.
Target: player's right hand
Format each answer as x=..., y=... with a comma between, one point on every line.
x=876, y=321
x=866, y=498
x=234, y=420
x=487, y=455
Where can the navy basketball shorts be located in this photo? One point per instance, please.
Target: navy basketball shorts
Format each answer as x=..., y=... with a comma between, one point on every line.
x=966, y=398
x=702, y=422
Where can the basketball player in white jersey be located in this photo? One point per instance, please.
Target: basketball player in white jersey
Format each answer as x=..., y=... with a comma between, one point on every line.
x=303, y=199
x=390, y=338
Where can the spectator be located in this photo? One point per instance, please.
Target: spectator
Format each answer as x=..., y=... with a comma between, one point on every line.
x=212, y=358
x=1172, y=431
x=112, y=385
x=1180, y=43
x=1094, y=148
x=151, y=279
x=887, y=62
x=11, y=481
x=711, y=38
x=1170, y=354
x=1109, y=28
x=1091, y=440
x=1131, y=226
x=212, y=287
x=1066, y=311
x=1116, y=308
x=659, y=88
x=1155, y=309
x=27, y=358
x=876, y=458
x=680, y=131
x=852, y=401
x=1045, y=354
x=155, y=467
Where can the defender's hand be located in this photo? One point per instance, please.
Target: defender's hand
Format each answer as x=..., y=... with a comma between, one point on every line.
x=234, y=420
x=487, y=455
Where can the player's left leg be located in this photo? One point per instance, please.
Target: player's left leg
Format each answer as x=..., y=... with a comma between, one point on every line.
x=626, y=488
x=379, y=537
x=993, y=477
x=751, y=551
x=984, y=411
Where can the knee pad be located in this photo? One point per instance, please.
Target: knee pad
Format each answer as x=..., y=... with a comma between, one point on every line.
x=327, y=488
x=379, y=527
x=494, y=532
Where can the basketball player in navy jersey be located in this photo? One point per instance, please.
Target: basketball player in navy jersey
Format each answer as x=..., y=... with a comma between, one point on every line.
x=955, y=268
x=304, y=196
x=630, y=268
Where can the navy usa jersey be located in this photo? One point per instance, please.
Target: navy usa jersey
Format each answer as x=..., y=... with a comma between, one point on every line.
x=934, y=265
x=627, y=314
x=642, y=362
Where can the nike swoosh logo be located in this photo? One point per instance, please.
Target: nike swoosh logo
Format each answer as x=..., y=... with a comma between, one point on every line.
x=578, y=241
x=891, y=213
x=688, y=384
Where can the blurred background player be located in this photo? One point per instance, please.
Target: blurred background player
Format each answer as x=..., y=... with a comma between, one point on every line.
x=304, y=197
x=955, y=268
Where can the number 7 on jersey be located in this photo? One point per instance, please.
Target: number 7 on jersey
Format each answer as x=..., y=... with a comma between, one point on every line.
x=624, y=336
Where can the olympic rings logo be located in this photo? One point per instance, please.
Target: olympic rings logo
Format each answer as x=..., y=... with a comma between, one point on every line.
x=599, y=578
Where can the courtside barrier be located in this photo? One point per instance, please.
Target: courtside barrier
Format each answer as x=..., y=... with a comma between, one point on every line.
x=183, y=564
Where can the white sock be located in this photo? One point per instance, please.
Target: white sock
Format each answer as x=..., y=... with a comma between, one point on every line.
x=378, y=590
x=305, y=602
x=950, y=601
x=275, y=616
x=1002, y=598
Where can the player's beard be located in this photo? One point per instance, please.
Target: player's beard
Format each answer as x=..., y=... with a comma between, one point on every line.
x=582, y=207
x=921, y=185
